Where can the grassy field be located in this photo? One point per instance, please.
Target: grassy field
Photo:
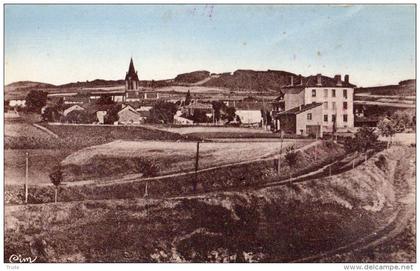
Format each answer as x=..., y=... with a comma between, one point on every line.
x=112, y=132
x=20, y=128
x=41, y=163
x=212, y=132
x=169, y=157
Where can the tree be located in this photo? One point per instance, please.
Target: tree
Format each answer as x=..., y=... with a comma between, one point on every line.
x=200, y=116
x=56, y=178
x=112, y=114
x=238, y=119
x=105, y=100
x=268, y=118
x=80, y=116
x=60, y=104
x=218, y=106
x=162, y=112
x=387, y=128
x=364, y=139
x=50, y=114
x=402, y=121
x=35, y=100
x=230, y=113
x=291, y=157
x=187, y=98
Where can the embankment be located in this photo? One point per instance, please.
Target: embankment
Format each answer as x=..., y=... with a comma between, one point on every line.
x=214, y=179
x=276, y=224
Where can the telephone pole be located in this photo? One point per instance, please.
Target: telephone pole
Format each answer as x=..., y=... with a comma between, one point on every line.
x=26, y=176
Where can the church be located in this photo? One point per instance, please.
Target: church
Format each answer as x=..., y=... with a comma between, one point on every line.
x=133, y=91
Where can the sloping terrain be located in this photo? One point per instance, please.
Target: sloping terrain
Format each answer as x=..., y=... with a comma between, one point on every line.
x=125, y=157
x=278, y=224
x=243, y=80
x=404, y=88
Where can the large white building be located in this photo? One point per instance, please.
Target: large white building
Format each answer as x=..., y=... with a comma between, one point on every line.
x=334, y=96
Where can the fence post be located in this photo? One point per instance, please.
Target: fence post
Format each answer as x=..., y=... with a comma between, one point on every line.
x=196, y=167
x=26, y=176
x=281, y=149
x=146, y=193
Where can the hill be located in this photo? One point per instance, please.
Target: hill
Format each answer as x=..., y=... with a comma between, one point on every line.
x=97, y=83
x=404, y=88
x=243, y=80
x=192, y=77
x=20, y=89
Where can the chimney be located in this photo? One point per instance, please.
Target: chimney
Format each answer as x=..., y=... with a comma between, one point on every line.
x=346, y=78
x=318, y=80
x=291, y=80
x=300, y=80
x=338, y=80
x=300, y=107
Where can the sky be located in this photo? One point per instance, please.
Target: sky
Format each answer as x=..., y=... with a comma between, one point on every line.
x=374, y=44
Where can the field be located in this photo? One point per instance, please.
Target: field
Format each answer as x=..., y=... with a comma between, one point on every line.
x=20, y=128
x=220, y=132
x=168, y=157
x=41, y=163
x=112, y=132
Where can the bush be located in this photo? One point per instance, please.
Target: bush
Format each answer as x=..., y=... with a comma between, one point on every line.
x=104, y=166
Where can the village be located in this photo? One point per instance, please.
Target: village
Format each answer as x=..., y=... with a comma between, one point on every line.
x=307, y=106
x=163, y=161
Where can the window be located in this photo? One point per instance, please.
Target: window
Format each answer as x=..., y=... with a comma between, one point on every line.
x=325, y=93
x=333, y=93
x=334, y=105
x=314, y=93
x=325, y=118
x=333, y=117
x=345, y=93
x=345, y=117
x=309, y=116
x=344, y=105
x=325, y=105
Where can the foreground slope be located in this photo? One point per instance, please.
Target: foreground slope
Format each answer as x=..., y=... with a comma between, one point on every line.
x=281, y=224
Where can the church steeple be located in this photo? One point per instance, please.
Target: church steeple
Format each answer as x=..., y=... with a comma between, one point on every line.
x=131, y=77
x=131, y=74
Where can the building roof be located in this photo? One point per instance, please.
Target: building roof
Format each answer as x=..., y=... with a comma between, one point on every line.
x=131, y=74
x=199, y=106
x=300, y=109
x=325, y=81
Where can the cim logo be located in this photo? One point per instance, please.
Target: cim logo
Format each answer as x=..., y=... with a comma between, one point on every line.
x=19, y=259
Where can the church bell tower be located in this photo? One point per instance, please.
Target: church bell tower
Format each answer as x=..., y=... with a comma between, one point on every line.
x=131, y=78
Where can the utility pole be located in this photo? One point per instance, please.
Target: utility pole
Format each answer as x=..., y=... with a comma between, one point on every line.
x=26, y=177
x=196, y=167
x=146, y=193
x=281, y=149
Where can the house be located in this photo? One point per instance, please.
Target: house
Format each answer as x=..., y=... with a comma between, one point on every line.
x=128, y=115
x=278, y=103
x=192, y=107
x=182, y=120
x=79, y=99
x=249, y=116
x=335, y=95
x=73, y=108
x=135, y=96
x=17, y=103
x=303, y=120
x=178, y=119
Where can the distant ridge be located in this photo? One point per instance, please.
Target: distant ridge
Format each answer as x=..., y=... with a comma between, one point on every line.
x=241, y=80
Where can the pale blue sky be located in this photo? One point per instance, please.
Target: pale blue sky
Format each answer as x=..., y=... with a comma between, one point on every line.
x=65, y=43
